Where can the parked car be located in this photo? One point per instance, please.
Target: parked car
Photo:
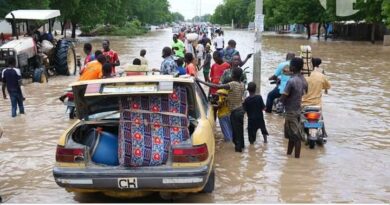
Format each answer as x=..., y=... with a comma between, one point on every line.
x=137, y=135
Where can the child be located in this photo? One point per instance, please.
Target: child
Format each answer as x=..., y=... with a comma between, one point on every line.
x=200, y=53
x=190, y=67
x=207, y=64
x=254, y=106
x=234, y=103
x=107, y=68
x=224, y=115
x=180, y=68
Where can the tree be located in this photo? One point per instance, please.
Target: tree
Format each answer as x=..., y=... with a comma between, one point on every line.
x=89, y=14
x=67, y=9
x=372, y=12
x=304, y=12
x=251, y=11
x=327, y=17
x=276, y=12
x=218, y=16
x=204, y=18
x=386, y=11
x=153, y=11
x=237, y=10
x=118, y=10
x=10, y=5
x=177, y=17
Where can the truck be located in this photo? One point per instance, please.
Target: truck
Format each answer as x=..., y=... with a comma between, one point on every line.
x=37, y=52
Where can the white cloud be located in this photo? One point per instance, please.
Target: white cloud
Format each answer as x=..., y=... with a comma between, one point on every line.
x=190, y=8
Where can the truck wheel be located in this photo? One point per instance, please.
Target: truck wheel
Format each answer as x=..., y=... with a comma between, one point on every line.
x=40, y=76
x=65, y=58
x=209, y=187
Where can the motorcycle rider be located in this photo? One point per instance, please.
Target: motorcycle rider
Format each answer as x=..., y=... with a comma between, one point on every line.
x=281, y=74
x=317, y=82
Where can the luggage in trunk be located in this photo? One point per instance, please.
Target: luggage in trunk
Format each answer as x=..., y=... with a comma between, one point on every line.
x=149, y=125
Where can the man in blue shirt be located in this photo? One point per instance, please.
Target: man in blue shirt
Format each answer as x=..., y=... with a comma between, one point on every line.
x=168, y=66
x=11, y=77
x=281, y=76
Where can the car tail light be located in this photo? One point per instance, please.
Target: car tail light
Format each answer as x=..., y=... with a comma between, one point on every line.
x=69, y=154
x=197, y=153
x=312, y=116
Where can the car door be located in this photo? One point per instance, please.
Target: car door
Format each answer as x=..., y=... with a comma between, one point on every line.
x=206, y=104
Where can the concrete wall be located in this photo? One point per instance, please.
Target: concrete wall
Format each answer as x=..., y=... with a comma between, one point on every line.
x=386, y=40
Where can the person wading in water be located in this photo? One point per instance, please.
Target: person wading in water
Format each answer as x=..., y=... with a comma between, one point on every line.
x=292, y=98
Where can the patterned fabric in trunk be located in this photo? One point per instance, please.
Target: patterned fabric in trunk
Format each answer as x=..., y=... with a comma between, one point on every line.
x=149, y=125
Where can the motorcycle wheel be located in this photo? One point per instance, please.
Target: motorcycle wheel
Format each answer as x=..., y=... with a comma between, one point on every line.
x=312, y=144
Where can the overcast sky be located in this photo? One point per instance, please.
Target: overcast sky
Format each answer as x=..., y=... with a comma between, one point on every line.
x=189, y=9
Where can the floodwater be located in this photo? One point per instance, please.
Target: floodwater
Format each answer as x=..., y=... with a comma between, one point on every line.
x=353, y=167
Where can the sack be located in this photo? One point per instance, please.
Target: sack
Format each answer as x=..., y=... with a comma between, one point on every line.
x=47, y=46
x=192, y=37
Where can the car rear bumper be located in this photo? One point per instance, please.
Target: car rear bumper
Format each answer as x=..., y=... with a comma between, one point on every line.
x=136, y=179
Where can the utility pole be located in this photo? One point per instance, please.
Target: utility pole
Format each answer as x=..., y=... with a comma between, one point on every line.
x=259, y=27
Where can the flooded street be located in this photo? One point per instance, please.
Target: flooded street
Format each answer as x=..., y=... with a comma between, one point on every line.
x=353, y=167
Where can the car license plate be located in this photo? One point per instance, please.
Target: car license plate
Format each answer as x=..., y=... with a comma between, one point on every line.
x=127, y=183
x=313, y=125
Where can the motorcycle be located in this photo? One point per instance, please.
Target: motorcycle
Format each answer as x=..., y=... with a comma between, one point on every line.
x=313, y=126
x=277, y=105
x=68, y=100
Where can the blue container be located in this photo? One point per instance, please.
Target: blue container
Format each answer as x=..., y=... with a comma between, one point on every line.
x=105, y=149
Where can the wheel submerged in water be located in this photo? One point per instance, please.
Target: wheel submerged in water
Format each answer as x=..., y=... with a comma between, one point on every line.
x=209, y=187
x=65, y=58
x=40, y=76
x=312, y=144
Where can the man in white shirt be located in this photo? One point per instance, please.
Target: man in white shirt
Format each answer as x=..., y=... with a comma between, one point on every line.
x=219, y=42
x=144, y=61
x=200, y=53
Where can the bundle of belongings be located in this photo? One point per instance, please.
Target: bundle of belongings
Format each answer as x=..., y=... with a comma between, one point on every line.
x=150, y=125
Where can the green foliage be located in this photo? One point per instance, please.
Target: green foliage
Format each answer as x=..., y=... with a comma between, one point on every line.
x=370, y=10
x=238, y=10
x=130, y=29
x=386, y=12
x=251, y=11
x=67, y=7
x=276, y=12
x=90, y=13
x=9, y=5
x=176, y=17
x=304, y=11
x=204, y=18
x=218, y=16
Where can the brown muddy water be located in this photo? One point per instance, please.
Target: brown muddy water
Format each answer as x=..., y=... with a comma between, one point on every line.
x=353, y=167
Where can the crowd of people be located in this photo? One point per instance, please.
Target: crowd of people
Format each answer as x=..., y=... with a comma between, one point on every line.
x=222, y=70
